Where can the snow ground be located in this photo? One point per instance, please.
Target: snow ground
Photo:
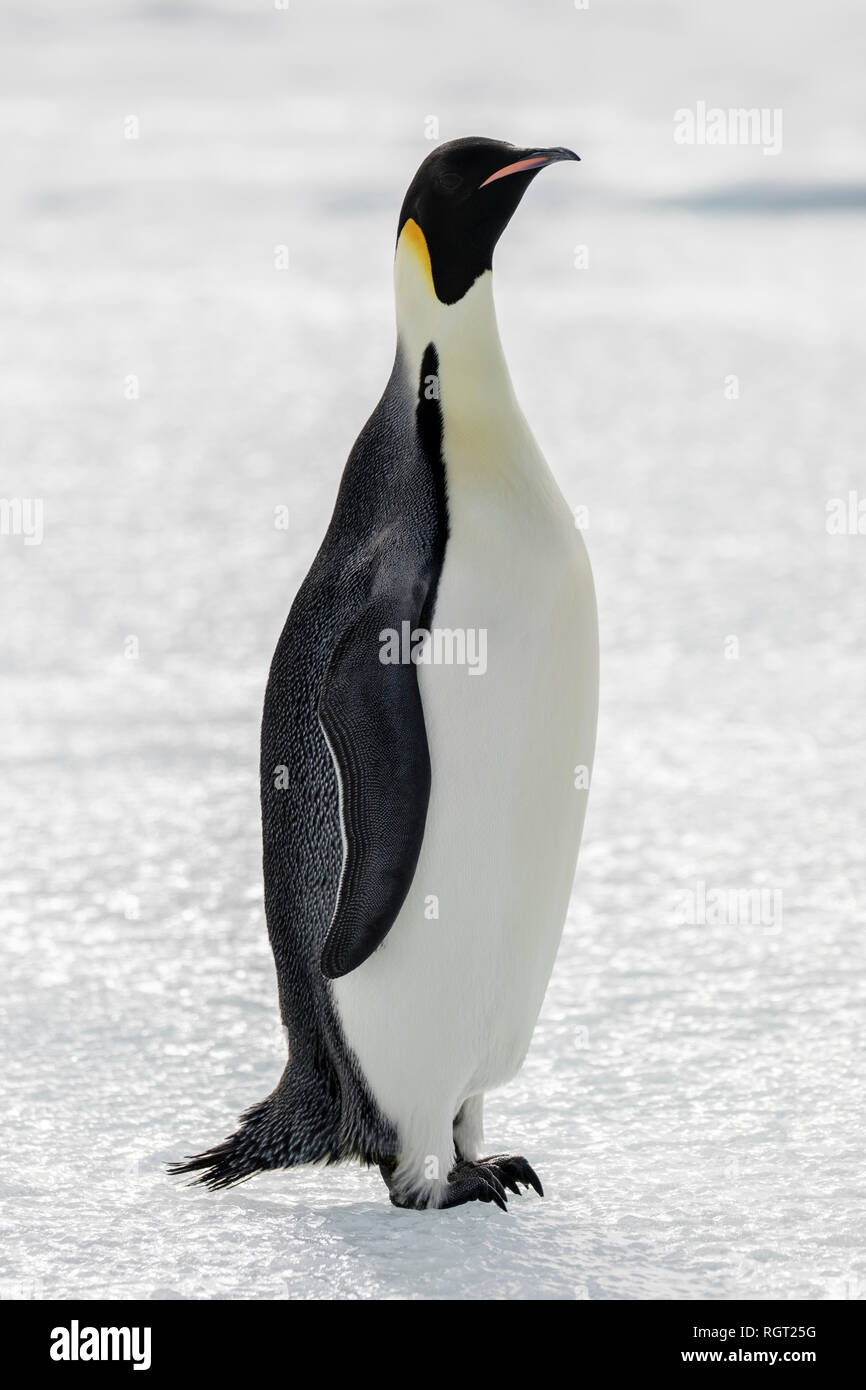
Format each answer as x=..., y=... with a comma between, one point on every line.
x=693, y=1098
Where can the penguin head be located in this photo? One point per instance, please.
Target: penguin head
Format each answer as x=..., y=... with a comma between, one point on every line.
x=460, y=202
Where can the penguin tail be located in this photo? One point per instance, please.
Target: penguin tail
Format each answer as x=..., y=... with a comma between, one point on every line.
x=270, y=1136
x=253, y=1149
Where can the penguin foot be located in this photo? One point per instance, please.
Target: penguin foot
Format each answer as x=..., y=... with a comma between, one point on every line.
x=486, y=1179
x=510, y=1169
x=473, y=1182
x=478, y=1180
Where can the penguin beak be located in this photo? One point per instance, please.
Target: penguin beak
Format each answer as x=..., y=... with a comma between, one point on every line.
x=531, y=162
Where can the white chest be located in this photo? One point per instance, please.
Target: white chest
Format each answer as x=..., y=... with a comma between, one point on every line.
x=452, y=994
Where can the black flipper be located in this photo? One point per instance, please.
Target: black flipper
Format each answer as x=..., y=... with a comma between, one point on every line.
x=373, y=720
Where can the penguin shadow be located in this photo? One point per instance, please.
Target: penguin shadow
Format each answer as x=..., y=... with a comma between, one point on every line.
x=339, y=1225
x=360, y=1218
x=400, y=1253
x=538, y=1249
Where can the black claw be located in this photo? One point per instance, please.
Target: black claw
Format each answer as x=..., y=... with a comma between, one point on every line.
x=495, y=1197
x=498, y=1190
x=535, y=1182
x=511, y=1169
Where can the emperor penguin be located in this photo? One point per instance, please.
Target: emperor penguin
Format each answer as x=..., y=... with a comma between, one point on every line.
x=427, y=740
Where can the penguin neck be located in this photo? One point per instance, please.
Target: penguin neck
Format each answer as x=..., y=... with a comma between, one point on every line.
x=474, y=383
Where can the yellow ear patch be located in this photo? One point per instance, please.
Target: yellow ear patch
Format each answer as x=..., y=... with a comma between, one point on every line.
x=416, y=242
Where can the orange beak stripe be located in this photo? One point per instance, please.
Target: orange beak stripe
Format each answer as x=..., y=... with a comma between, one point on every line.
x=517, y=168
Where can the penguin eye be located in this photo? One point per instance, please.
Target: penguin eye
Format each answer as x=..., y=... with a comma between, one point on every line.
x=450, y=182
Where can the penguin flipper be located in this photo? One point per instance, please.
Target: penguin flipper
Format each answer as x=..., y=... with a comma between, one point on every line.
x=373, y=720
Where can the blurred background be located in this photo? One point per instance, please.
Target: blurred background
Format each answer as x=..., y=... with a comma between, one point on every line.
x=199, y=204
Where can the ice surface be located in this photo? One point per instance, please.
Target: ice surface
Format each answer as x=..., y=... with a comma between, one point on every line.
x=693, y=1098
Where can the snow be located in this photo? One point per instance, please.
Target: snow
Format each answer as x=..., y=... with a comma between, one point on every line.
x=693, y=1095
